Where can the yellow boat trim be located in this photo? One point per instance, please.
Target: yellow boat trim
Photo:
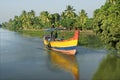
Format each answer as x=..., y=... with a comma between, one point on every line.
x=61, y=43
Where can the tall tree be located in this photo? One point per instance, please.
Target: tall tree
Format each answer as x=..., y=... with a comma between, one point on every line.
x=82, y=19
x=68, y=17
x=107, y=24
x=44, y=18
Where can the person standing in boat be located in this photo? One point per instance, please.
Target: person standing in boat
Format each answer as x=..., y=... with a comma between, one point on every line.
x=52, y=31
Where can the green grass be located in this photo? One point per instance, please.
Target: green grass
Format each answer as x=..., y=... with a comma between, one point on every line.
x=32, y=33
x=91, y=41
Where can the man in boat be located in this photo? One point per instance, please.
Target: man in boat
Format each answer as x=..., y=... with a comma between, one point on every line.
x=52, y=31
x=56, y=34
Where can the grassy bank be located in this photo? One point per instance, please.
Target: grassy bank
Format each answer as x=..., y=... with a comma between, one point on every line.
x=86, y=38
x=33, y=33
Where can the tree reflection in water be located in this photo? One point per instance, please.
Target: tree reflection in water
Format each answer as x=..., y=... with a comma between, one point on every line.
x=109, y=69
x=65, y=62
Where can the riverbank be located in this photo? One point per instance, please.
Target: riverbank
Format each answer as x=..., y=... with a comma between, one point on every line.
x=87, y=38
x=40, y=33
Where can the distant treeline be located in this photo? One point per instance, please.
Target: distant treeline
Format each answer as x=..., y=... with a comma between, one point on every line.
x=68, y=19
x=105, y=22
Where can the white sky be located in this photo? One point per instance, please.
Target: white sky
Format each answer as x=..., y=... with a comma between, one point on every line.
x=10, y=8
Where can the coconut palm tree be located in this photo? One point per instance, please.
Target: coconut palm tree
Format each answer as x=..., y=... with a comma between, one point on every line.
x=81, y=19
x=44, y=18
x=23, y=17
x=68, y=17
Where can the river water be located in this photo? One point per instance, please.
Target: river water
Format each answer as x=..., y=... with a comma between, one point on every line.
x=25, y=58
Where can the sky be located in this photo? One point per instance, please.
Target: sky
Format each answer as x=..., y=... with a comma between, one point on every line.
x=11, y=8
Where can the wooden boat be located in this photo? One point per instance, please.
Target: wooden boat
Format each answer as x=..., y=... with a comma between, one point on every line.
x=65, y=46
x=66, y=62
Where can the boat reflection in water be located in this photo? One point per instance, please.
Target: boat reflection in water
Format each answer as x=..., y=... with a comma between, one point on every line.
x=66, y=62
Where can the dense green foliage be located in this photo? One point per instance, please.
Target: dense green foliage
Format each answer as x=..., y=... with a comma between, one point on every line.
x=68, y=19
x=107, y=24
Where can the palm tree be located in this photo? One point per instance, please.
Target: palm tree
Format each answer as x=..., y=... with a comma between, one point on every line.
x=82, y=18
x=23, y=17
x=44, y=18
x=57, y=18
x=32, y=13
x=68, y=17
x=69, y=12
x=16, y=23
x=54, y=19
